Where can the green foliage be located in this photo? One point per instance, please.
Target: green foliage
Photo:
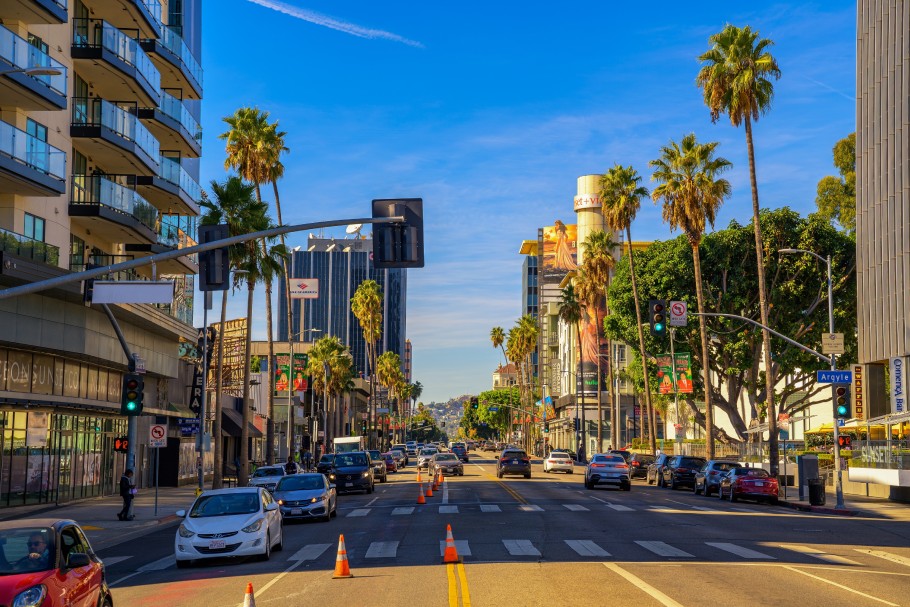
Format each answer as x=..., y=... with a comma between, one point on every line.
x=836, y=198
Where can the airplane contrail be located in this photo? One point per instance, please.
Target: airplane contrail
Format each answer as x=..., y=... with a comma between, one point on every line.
x=335, y=24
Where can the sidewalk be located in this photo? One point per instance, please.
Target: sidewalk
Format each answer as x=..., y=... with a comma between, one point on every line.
x=98, y=516
x=854, y=505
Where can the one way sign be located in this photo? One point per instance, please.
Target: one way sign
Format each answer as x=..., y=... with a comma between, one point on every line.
x=304, y=288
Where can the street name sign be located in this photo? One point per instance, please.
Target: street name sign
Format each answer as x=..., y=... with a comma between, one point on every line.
x=679, y=314
x=833, y=343
x=493, y=409
x=834, y=377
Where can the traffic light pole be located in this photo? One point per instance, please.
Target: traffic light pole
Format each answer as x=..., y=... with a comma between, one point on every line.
x=838, y=469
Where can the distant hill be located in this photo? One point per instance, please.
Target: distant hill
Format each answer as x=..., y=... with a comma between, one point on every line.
x=449, y=411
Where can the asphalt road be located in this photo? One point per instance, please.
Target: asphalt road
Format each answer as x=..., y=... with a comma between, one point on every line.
x=543, y=541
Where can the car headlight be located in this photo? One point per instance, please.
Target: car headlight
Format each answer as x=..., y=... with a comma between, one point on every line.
x=332, y=476
x=315, y=499
x=184, y=532
x=31, y=597
x=366, y=474
x=254, y=527
x=281, y=502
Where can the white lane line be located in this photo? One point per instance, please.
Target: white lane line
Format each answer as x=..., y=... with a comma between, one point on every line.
x=490, y=508
x=372, y=501
x=159, y=565
x=113, y=560
x=841, y=586
x=461, y=547
x=661, y=508
x=599, y=500
x=620, y=508
x=586, y=548
x=819, y=554
x=521, y=548
x=704, y=509
x=359, y=512
x=894, y=558
x=575, y=507
x=642, y=585
x=746, y=553
x=448, y=510
x=445, y=491
x=664, y=549
x=530, y=508
x=402, y=510
x=310, y=552
x=382, y=550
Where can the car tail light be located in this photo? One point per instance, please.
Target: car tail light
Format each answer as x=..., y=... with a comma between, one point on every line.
x=623, y=466
x=714, y=473
x=505, y=459
x=682, y=469
x=636, y=464
x=598, y=465
x=526, y=459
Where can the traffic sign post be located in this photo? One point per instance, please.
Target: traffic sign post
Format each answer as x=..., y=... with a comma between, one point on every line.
x=157, y=440
x=679, y=314
x=833, y=343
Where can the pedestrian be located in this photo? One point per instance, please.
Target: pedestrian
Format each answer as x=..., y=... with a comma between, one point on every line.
x=307, y=460
x=126, y=492
x=581, y=455
x=291, y=466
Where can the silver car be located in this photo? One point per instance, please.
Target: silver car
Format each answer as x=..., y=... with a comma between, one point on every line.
x=607, y=469
x=447, y=463
x=559, y=460
x=302, y=496
x=267, y=476
x=423, y=460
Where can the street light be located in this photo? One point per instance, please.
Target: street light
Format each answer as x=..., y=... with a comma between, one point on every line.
x=838, y=486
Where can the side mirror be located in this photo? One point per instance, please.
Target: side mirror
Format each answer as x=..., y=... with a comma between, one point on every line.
x=78, y=559
x=271, y=507
x=181, y=513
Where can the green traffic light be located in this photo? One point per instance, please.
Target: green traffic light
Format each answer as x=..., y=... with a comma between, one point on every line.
x=842, y=410
x=131, y=405
x=658, y=327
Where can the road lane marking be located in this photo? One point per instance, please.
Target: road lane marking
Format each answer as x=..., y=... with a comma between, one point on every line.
x=445, y=491
x=382, y=550
x=402, y=510
x=310, y=552
x=746, y=510
x=894, y=558
x=359, y=512
x=841, y=586
x=461, y=546
x=113, y=560
x=620, y=508
x=642, y=585
x=575, y=507
x=372, y=501
x=819, y=554
x=465, y=594
x=448, y=510
x=663, y=549
x=662, y=508
x=746, y=553
x=159, y=565
x=530, y=508
x=586, y=548
x=453, y=587
x=521, y=548
x=704, y=509
x=490, y=508
x=599, y=500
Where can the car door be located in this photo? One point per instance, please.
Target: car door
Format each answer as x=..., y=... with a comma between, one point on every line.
x=81, y=583
x=273, y=518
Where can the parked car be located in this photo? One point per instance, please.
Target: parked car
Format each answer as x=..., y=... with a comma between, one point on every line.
x=606, y=469
x=513, y=461
x=267, y=476
x=325, y=463
x=352, y=472
x=49, y=562
x=380, y=470
x=626, y=455
x=306, y=496
x=390, y=464
x=680, y=471
x=241, y=521
x=707, y=480
x=638, y=465
x=559, y=460
x=423, y=459
x=447, y=463
x=461, y=452
x=656, y=469
x=572, y=455
x=748, y=483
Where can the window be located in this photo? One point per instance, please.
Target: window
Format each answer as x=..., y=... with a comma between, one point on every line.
x=620, y=353
x=34, y=227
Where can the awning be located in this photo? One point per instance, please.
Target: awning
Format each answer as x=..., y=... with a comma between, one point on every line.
x=232, y=422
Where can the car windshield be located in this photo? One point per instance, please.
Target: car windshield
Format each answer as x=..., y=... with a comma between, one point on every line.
x=608, y=458
x=514, y=454
x=375, y=454
x=301, y=482
x=26, y=550
x=428, y=452
x=350, y=459
x=724, y=466
x=759, y=472
x=268, y=472
x=691, y=462
x=326, y=459
x=226, y=504
x=446, y=457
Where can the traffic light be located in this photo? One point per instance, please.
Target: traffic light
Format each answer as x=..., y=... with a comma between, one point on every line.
x=214, y=265
x=363, y=427
x=842, y=402
x=131, y=395
x=398, y=245
x=546, y=426
x=121, y=444
x=657, y=317
x=474, y=403
x=845, y=442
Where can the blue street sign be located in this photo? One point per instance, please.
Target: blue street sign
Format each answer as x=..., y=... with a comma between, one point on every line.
x=834, y=377
x=841, y=422
x=494, y=409
x=188, y=427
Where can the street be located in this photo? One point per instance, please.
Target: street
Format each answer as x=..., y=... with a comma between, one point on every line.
x=543, y=541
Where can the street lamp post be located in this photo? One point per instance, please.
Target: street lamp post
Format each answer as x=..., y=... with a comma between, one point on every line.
x=838, y=486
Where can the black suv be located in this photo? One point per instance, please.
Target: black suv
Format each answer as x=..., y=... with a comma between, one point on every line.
x=638, y=465
x=513, y=461
x=324, y=465
x=680, y=471
x=352, y=472
x=656, y=469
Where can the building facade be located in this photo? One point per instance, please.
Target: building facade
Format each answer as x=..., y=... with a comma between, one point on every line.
x=99, y=148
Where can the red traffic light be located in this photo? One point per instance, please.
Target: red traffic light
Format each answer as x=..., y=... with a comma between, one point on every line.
x=658, y=307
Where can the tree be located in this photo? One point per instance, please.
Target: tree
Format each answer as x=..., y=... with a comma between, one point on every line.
x=836, y=199
x=367, y=308
x=389, y=374
x=736, y=79
x=692, y=192
x=620, y=194
x=521, y=342
x=569, y=308
x=498, y=337
x=330, y=365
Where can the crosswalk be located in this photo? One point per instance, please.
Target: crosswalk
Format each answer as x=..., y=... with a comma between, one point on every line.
x=470, y=508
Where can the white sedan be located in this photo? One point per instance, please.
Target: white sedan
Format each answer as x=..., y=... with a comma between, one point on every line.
x=559, y=460
x=242, y=521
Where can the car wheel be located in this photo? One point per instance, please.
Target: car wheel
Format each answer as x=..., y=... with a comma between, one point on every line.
x=184, y=564
x=267, y=553
x=774, y=501
x=588, y=485
x=370, y=488
x=626, y=486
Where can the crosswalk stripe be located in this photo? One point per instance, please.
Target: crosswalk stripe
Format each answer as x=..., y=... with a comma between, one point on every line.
x=663, y=549
x=113, y=560
x=448, y=510
x=359, y=512
x=382, y=550
x=819, y=554
x=310, y=552
x=746, y=553
x=902, y=560
x=402, y=510
x=461, y=547
x=575, y=507
x=159, y=565
x=521, y=548
x=620, y=508
x=530, y=508
x=586, y=548
x=490, y=508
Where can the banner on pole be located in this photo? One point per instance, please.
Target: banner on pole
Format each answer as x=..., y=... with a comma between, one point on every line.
x=683, y=373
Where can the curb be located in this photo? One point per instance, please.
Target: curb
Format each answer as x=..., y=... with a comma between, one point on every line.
x=819, y=509
x=149, y=527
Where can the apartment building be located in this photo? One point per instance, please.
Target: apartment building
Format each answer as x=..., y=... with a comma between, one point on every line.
x=99, y=148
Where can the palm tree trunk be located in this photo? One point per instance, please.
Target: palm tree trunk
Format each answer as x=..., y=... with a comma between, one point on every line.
x=614, y=406
x=244, y=474
x=763, y=303
x=706, y=367
x=652, y=437
x=600, y=412
x=580, y=390
x=270, y=426
x=218, y=477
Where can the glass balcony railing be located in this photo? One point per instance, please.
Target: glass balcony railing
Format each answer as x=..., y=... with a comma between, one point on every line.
x=31, y=151
x=93, y=111
x=173, y=42
x=174, y=108
x=94, y=33
x=22, y=56
x=79, y=263
x=98, y=190
x=154, y=7
x=168, y=235
x=170, y=170
x=36, y=250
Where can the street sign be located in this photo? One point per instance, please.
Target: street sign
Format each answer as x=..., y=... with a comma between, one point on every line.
x=188, y=427
x=841, y=422
x=304, y=288
x=833, y=343
x=157, y=436
x=679, y=314
x=139, y=363
x=133, y=291
x=834, y=377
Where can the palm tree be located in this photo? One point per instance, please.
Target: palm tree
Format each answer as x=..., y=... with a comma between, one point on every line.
x=498, y=337
x=692, y=192
x=416, y=392
x=367, y=308
x=621, y=193
x=736, y=79
x=330, y=365
x=569, y=311
x=388, y=372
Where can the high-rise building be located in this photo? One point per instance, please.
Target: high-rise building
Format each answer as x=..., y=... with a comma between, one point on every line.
x=408, y=359
x=99, y=148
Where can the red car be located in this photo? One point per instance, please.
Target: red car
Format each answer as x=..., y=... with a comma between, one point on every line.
x=49, y=563
x=748, y=483
x=390, y=464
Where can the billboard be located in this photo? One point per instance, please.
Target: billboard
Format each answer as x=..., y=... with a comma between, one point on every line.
x=558, y=246
x=283, y=373
x=683, y=373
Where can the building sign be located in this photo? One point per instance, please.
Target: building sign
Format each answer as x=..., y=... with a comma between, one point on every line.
x=898, y=386
x=587, y=201
x=859, y=392
x=47, y=375
x=304, y=288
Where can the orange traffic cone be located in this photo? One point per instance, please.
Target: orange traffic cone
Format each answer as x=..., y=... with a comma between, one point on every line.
x=439, y=478
x=419, y=480
x=451, y=554
x=248, y=599
x=429, y=489
x=420, y=499
x=342, y=570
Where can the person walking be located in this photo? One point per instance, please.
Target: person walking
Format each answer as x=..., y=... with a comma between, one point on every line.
x=307, y=460
x=126, y=492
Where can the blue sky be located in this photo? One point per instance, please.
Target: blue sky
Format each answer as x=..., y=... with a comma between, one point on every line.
x=490, y=111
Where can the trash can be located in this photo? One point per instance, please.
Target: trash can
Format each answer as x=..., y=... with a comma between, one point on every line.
x=816, y=492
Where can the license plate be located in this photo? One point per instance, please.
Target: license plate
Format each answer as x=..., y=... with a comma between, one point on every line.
x=349, y=484
x=296, y=511
x=759, y=483
x=514, y=461
x=216, y=544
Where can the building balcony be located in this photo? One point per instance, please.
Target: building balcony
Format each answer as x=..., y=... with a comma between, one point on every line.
x=29, y=166
x=173, y=126
x=29, y=248
x=25, y=91
x=170, y=237
x=142, y=15
x=113, y=138
x=172, y=190
x=179, y=68
x=112, y=211
x=52, y=12
x=113, y=63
